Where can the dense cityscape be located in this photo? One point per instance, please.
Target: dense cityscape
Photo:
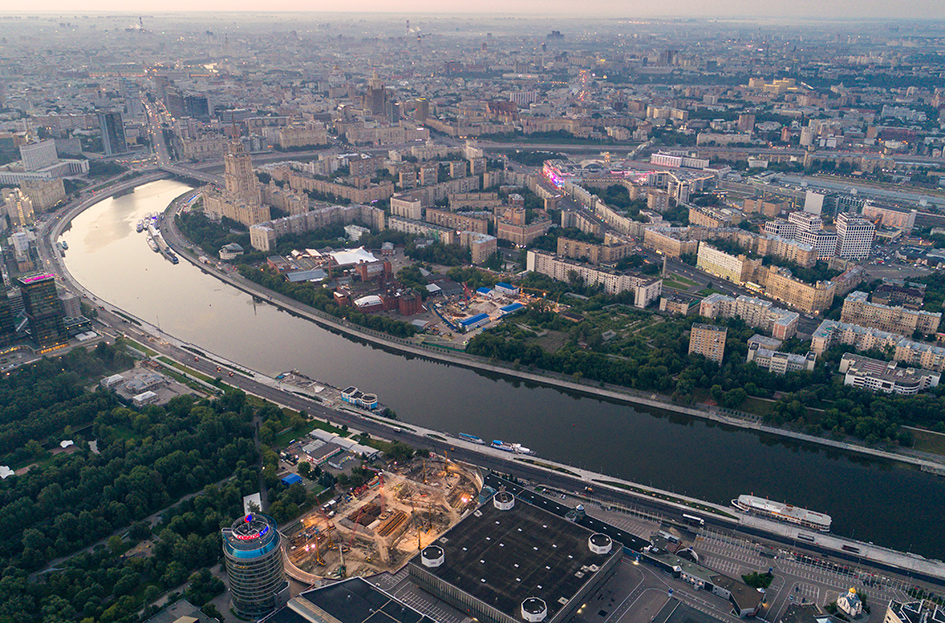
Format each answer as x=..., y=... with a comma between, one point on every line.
x=336, y=318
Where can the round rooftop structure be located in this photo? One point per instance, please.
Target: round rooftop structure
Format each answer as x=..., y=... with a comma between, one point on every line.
x=534, y=610
x=432, y=556
x=250, y=533
x=600, y=543
x=503, y=500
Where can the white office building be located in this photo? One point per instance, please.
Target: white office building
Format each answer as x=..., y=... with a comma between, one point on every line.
x=39, y=155
x=854, y=236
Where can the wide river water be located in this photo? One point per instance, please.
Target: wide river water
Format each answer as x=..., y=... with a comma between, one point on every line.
x=870, y=500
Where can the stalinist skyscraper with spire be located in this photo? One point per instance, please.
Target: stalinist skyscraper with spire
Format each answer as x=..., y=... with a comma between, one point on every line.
x=241, y=199
x=238, y=175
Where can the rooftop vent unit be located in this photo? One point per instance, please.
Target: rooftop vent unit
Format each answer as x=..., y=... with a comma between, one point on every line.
x=600, y=543
x=432, y=556
x=534, y=610
x=503, y=500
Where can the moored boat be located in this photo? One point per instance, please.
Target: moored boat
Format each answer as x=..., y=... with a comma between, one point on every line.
x=501, y=445
x=783, y=512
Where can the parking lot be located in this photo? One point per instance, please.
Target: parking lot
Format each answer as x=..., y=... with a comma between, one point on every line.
x=798, y=578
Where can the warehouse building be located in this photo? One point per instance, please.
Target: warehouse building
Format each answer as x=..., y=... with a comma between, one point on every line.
x=510, y=561
x=351, y=601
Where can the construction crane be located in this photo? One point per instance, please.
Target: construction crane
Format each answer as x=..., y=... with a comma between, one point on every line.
x=543, y=292
x=347, y=546
x=318, y=549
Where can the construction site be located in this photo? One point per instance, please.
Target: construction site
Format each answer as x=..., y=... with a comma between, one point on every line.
x=378, y=526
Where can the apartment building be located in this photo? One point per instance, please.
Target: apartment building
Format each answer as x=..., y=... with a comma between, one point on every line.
x=645, y=289
x=708, y=340
x=780, y=285
x=779, y=323
x=713, y=217
x=738, y=269
x=263, y=236
x=858, y=310
x=823, y=242
x=781, y=228
x=671, y=241
x=481, y=246
x=899, y=292
x=457, y=221
x=594, y=253
x=768, y=208
x=679, y=305
x=919, y=354
x=511, y=225
x=777, y=362
x=303, y=135
x=890, y=217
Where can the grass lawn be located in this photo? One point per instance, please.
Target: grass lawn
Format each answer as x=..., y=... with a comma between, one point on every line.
x=283, y=438
x=708, y=291
x=139, y=346
x=190, y=371
x=675, y=285
x=681, y=279
x=757, y=406
x=552, y=341
x=928, y=441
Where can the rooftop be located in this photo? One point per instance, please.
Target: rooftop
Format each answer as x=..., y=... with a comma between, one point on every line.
x=857, y=365
x=352, y=601
x=504, y=557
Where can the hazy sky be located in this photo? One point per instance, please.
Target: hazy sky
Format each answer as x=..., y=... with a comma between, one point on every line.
x=848, y=9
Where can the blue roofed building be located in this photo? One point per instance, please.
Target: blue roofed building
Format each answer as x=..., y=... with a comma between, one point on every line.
x=474, y=322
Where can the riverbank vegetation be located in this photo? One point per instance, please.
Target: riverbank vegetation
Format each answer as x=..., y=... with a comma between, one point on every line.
x=314, y=295
x=89, y=508
x=211, y=235
x=610, y=342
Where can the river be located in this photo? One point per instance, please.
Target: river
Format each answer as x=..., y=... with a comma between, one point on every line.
x=889, y=504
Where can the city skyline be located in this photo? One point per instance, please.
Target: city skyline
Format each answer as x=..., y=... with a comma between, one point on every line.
x=925, y=10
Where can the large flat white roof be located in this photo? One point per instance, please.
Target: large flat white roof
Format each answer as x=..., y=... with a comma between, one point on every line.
x=352, y=256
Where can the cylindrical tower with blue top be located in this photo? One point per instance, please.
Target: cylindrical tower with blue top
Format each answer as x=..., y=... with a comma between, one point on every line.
x=251, y=548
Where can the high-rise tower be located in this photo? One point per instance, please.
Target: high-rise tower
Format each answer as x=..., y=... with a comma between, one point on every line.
x=254, y=566
x=113, y=133
x=43, y=309
x=238, y=175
